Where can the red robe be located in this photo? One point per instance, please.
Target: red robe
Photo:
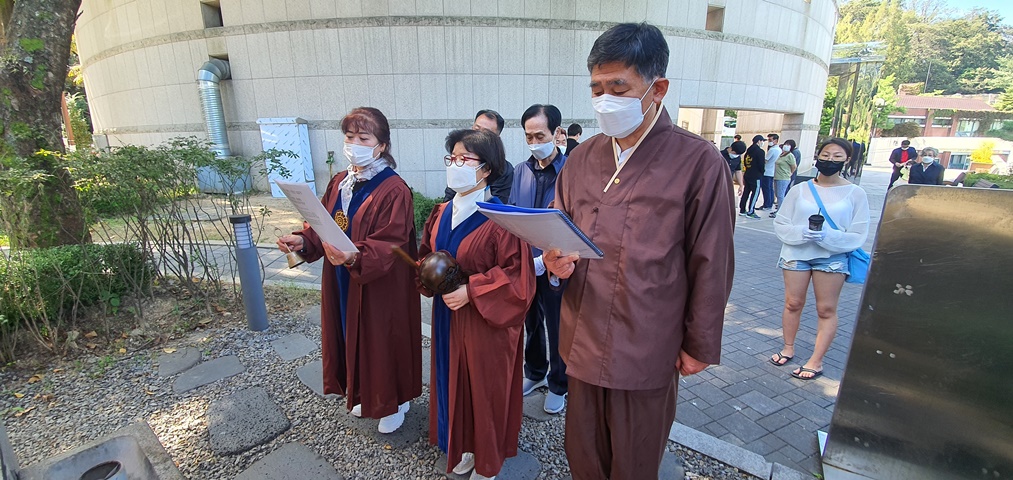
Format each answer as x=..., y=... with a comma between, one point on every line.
x=380, y=365
x=485, y=346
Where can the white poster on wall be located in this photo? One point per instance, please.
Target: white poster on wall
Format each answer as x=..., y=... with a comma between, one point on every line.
x=292, y=134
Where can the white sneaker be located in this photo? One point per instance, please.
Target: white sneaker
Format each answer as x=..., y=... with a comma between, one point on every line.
x=554, y=403
x=467, y=464
x=530, y=385
x=357, y=411
x=478, y=476
x=391, y=423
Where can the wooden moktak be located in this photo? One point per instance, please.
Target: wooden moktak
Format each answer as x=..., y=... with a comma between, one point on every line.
x=438, y=271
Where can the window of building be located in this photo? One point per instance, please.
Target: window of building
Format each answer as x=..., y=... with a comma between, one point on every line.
x=942, y=122
x=211, y=10
x=908, y=119
x=996, y=125
x=967, y=128
x=715, y=18
x=960, y=162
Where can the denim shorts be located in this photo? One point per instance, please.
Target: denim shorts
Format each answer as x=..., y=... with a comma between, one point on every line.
x=834, y=264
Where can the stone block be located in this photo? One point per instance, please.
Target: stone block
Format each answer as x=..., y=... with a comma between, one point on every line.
x=208, y=372
x=781, y=472
x=291, y=347
x=534, y=407
x=244, y=420
x=312, y=375
x=671, y=468
x=178, y=361
x=415, y=426
x=720, y=450
x=313, y=315
x=522, y=467
x=292, y=460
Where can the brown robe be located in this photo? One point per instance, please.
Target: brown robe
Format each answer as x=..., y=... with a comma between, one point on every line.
x=486, y=356
x=666, y=230
x=380, y=365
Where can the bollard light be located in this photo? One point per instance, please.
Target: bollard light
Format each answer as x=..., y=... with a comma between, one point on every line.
x=249, y=273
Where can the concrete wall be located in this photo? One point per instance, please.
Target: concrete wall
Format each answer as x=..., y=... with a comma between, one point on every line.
x=429, y=65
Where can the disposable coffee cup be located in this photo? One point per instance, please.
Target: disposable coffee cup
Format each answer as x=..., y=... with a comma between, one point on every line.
x=816, y=222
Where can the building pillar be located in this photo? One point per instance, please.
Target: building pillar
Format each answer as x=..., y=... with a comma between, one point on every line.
x=712, y=125
x=803, y=128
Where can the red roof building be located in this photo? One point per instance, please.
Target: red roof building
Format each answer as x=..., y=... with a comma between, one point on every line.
x=944, y=116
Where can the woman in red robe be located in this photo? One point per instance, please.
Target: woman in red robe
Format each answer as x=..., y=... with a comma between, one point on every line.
x=475, y=403
x=371, y=331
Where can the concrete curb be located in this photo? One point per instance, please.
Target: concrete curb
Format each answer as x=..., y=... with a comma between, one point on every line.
x=738, y=457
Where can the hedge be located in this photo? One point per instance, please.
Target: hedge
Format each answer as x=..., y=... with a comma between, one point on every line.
x=51, y=283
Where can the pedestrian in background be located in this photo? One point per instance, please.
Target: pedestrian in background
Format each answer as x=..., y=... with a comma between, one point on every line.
x=926, y=169
x=784, y=167
x=818, y=255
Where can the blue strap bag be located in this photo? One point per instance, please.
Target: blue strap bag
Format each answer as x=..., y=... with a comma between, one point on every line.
x=858, y=260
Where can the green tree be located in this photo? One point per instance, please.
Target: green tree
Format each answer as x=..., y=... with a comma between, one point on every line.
x=880, y=20
x=1005, y=132
x=885, y=102
x=38, y=204
x=1005, y=102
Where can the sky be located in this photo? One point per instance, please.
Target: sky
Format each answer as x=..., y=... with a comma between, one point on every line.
x=1004, y=7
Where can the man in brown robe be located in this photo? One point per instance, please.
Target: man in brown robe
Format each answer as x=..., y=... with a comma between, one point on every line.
x=379, y=364
x=658, y=201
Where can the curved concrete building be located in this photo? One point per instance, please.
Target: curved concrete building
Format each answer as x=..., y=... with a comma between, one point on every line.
x=429, y=65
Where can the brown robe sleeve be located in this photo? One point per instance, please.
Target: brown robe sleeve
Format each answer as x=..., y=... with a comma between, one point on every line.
x=313, y=249
x=710, y=261
x=503, y=293
x=375, y=254
x=427, y=245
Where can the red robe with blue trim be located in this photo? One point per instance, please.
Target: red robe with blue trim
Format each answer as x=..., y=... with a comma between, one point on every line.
x=482, y=372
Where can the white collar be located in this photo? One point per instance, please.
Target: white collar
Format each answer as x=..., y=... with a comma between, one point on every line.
x=466, y=205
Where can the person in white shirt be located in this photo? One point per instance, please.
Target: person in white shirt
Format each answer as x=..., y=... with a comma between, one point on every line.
x=767, y=184
x=819, y=255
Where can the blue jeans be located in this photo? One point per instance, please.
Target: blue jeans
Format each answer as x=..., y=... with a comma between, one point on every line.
x=780, y=189
x=767, y=186
x=837, y=263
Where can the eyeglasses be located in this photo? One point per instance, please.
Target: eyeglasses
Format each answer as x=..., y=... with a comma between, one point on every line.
x=834, y=158
x=459, y=160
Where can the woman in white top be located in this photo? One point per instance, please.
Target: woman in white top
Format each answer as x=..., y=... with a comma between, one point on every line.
x=818, y=255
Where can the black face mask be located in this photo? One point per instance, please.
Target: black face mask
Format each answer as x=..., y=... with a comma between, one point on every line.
x=829, y=167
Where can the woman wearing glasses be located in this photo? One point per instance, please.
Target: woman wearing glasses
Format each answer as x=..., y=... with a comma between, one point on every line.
x=817, y=252
x=475, y=401
x=370, y=316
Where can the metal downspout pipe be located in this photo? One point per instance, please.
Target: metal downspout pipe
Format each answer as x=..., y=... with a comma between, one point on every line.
x=208, y=85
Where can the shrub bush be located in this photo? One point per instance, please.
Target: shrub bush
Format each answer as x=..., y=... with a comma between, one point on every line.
x=1003, y=181
x=423, y=207
x=52, y=283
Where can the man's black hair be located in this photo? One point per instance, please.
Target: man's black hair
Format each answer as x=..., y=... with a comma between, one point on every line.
x=573, y=130
x=776, y=136
x=739, y=147
x=492, y=115
x=552, y=116
x=639, y=45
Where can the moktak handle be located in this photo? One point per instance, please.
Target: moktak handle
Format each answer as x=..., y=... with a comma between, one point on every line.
x=404, y=256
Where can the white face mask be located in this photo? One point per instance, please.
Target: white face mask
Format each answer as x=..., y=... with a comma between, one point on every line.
x=928, y=160
x=463, y=178
x=359, y=155
x=786, y=148
x=618, y=117
x=541, y=151
x=734, y=156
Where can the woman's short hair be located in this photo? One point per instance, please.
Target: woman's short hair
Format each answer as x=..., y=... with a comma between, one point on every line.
x=792, y=143
x=372, y=121
x=840, y=142
x=484, y=144
x=935, y=152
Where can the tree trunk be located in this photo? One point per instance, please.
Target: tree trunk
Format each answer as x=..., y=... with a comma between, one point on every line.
x=33, y=68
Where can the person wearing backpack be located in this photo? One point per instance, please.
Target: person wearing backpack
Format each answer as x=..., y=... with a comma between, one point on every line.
x=820, y=225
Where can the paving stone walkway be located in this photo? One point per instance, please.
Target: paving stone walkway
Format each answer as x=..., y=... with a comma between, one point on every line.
x=745, y=401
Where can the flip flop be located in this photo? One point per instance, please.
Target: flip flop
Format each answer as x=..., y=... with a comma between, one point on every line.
x=779, y=358
x=799, y=376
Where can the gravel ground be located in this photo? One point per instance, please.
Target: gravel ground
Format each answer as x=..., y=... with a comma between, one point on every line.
x=75, y=402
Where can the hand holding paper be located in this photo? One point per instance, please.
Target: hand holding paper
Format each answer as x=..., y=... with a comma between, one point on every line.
x=543, y=228
x=305, y=201
x=558, y=264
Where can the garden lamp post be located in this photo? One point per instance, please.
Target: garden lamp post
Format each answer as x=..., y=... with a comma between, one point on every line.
x=249, y=273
